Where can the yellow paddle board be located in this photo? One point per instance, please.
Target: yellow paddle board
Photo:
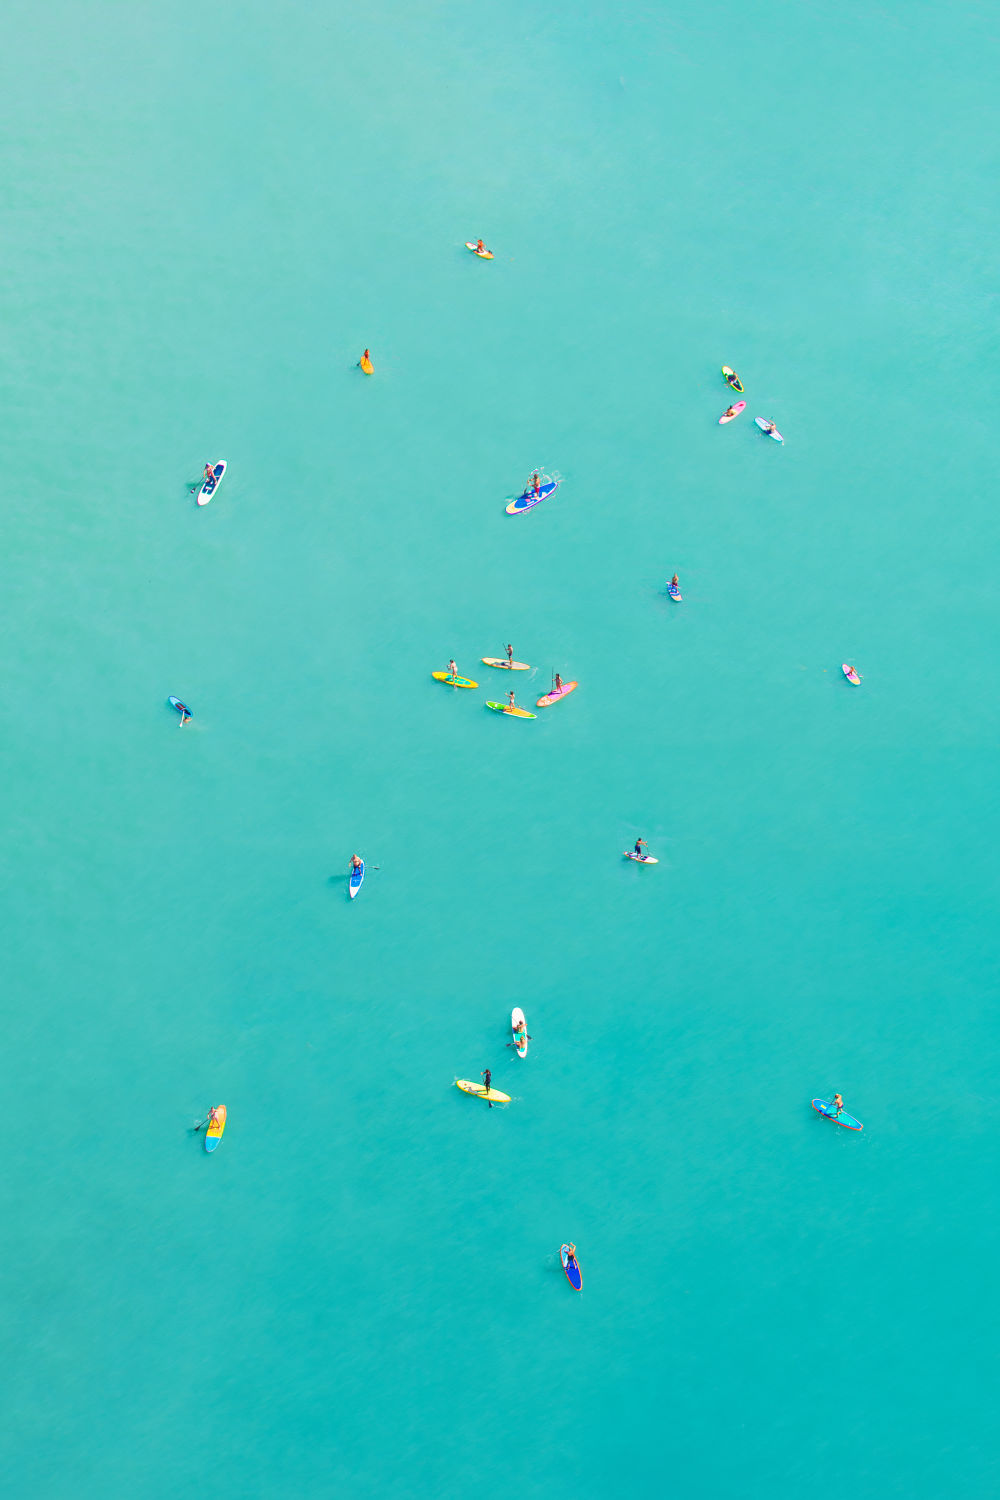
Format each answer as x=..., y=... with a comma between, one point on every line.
x=493, y=1095
x=366, y=365
x=465, y=682
x=213, y=1135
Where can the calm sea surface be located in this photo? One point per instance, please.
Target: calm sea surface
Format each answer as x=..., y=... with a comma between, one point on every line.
x=206, y=213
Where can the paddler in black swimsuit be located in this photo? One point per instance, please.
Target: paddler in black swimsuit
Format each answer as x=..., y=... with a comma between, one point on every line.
x=487, y=1077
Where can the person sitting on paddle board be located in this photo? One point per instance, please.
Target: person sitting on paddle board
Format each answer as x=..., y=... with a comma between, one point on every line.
x=640, y=844
x=674, y=582
x=510, y=654
x=521, y=1030
x=771, y=427
x=838, y=1104
x=480, y=247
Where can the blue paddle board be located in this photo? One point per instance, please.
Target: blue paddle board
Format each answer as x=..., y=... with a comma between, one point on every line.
x=825, y=1107
x=357, y=876
x=181, y=708
x=572, y=1268
x=529, y=499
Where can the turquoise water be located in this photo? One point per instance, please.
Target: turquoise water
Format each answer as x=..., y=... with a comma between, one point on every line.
x=207, y=213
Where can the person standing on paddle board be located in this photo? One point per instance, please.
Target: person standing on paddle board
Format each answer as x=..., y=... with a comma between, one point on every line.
x=452, y=668
x=838, y=1104
x=558, y=686
x=510, y=654
x=640, y=844
x=510, y=699
x=571, y=1256
x=674, y=582
x=356, y=863
x=209, y=471
x=487, y=1078
x=480, y=247
x=536, y=482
